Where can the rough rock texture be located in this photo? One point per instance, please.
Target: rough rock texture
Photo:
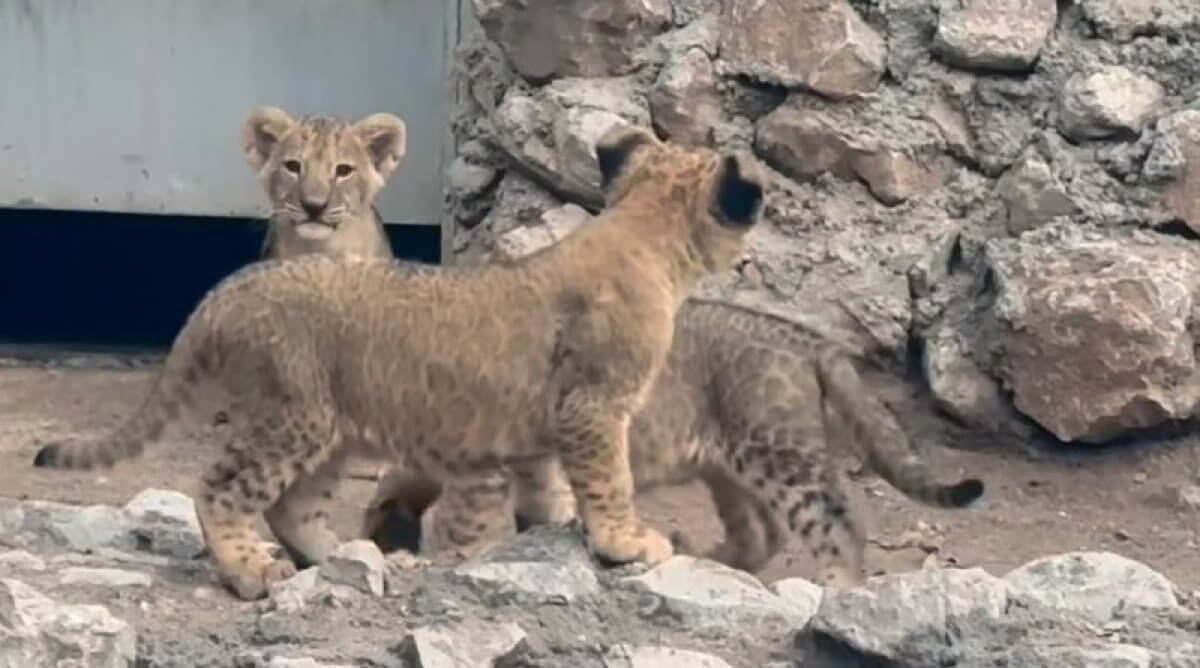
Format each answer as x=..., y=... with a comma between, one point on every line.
x=540, y=601
x=909, y=141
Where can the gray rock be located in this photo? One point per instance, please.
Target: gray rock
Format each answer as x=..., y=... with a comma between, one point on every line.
x=21, y=560
x=104, y=577
x=705, y=594
x=704, y=33
x=894, y=619
x=1122, y=20
x=466, y=644
x=544, y=39
x=1096, y=586
x=1092, y=337
x=1032, y=195
x=831, y=51
x=304, y=662
x=37, y=632
x=358, y=564
x=553, y=131
x=518, y=202
x=556, y=224
x=1111, y=656
x=1001, y=35
x=294, y=593
x=803, y=594
x=165, y=522
x=628, y=656
x=546, y=563
x=684, y=103
x=958, y=386
x=805, y=142
x=466, y=180
x=76, y=528
x=1113, y=101
x=1183, y=195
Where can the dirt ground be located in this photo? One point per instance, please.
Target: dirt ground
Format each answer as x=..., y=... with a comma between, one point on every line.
x=1127, y=499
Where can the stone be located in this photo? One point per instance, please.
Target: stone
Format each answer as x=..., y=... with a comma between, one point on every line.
x=165, y=523
x=556, y=224
x=544, y=39
x=1111, y=656
x=803, y=143
x=1183, y=194
x=549, y=564
x=38, y=631
x=553, y=131
x=1123, y=20
x=104, y=577
x=21, y=560
x=831, y=50
x=358, y=564
x=1032, y=195
x=704, y=594
x=466, y=180
x=801, y=593
x=1111, y=102
x=958, y=387
x=466, y=644
x=704, y=33
x=892, y=618
x=293, y=594
x=1092, y=336
x=653, y=656
x=76, y=528
x=684, y=103
x=1096, y=586
x=303, y=662
x=997, y=35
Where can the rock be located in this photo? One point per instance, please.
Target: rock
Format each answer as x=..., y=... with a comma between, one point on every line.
x=958, y=386
x=1189, y=496
x=467, y=181
x=546, y=563
x=627, y=656
x=553, y=132
x=356, y=563
x=1111, y=656
x=684, y=103
x=304, y=662
x=556, y=224
x=1000, y=35
x=21, y=560
x=543, y=39
x=1111, y=102
x=1183, y=195
x=294, y=593
x=1092, y=337
x=1096, y=586
x=104, y=577
x=703, y=594
x=1032, y=195
x=39, y=632
x=892, y=619
x=165, y=522
x=466, y=644
x=76, y=528
x=804, y=595
x=1122, y=20
x=703, y=33
x=804, y=143
x=831, y=50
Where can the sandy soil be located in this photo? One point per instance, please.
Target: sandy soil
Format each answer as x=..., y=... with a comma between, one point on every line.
x=1128, y=499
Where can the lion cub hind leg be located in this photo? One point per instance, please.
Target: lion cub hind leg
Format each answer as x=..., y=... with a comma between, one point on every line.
x=543, y=494
x=298, y=519
x=473, y=514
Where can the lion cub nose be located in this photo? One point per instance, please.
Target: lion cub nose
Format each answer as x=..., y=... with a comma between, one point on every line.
x=313, y=208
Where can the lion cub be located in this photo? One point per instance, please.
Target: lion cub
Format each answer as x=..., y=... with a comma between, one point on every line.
x=455, y=371
x=322, y=175
x=745, y=402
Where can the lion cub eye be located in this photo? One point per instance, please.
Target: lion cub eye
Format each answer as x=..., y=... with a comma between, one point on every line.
x=343, y=170
x=292, y=166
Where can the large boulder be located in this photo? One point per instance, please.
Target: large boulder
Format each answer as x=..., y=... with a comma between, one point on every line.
x=1093, y=334
x=999, y=35
x=37, y=632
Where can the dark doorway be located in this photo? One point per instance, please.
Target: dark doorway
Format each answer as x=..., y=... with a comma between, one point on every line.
x=116, y=281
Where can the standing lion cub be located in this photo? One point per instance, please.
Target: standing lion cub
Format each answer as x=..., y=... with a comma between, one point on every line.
x=459, y=371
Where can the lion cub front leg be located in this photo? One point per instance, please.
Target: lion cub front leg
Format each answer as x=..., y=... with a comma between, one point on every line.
x=594, y=450
x=543, y=493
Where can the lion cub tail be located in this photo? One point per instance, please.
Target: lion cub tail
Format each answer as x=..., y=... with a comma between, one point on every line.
x=170, y=392
x=884, y=444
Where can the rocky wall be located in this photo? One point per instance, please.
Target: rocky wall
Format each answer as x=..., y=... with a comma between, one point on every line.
x=1002, y=193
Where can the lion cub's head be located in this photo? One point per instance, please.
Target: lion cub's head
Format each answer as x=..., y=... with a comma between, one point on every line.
x=321, y=173
x=719, y=194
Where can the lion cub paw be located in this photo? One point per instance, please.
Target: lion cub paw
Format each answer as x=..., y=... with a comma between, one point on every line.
x=644, y=544
x=402, y=561
x=252, y=580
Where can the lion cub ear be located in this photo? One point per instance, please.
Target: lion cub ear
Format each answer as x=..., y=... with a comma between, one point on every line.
x=385, y=137
x=261, y=133
x=616, y=147
x=738, y=191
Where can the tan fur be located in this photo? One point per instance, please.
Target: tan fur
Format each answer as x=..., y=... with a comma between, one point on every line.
x=746, y=402
x=322, y=175
x=457, y=372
